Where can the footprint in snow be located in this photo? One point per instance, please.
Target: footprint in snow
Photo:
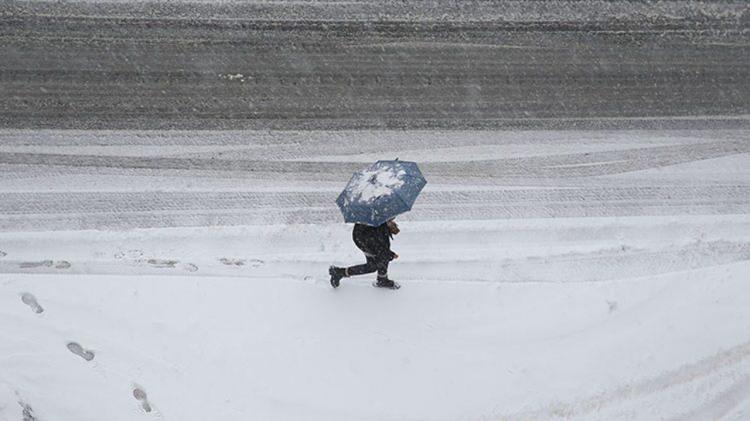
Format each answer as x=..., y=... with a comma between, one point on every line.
x=129, y=254
x=29, y=299
x=60, y=264
x=612, y=305
x=253, y=263
x=171, y=264
x=189, y=267
x=232, y=262
x=3, y=254
x=77, y=349
x=162, y=263
x=27, y=412
x=140, y=395
x=312, y=280
x=40, y=264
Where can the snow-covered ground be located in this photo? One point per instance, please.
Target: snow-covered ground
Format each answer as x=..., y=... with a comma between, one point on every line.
x=545, y=275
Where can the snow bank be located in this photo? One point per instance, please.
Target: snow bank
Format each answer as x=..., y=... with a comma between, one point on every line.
x=593, y=275
x=240, y=323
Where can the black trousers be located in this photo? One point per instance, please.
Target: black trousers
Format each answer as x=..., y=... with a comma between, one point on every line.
x=377, y=263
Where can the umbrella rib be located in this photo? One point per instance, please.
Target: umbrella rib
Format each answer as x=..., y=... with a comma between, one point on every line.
x=403, y=201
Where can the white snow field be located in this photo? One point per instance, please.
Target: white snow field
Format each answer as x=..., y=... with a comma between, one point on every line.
x=182, y=276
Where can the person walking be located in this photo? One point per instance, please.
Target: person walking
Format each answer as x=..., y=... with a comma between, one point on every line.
x=375, y=243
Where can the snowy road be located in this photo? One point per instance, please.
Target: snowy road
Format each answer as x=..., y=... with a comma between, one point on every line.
x=57, y=180
x=547, y=275
x=168, y=173
x=321, y=65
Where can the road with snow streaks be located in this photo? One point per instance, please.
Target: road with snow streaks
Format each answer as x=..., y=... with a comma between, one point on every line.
x=122, y=179
x=92, y=66
x=581, y=250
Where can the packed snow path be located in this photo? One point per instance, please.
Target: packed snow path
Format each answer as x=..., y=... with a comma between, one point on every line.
x=182, y=276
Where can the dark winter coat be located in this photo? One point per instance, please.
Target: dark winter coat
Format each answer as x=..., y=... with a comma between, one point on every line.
x=375, y=241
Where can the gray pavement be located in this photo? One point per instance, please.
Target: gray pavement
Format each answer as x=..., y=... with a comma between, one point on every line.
x=293, y=65
x=677, y=71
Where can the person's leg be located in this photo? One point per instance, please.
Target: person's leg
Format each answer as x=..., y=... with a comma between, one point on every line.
x=337, y=273
x=377, y=263
x=362, y=269
x=382, y=262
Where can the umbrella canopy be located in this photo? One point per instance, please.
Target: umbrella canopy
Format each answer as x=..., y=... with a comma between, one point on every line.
x=381, y=192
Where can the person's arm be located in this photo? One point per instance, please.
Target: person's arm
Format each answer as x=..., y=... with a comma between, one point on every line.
x=382, y=239
x=387, y=234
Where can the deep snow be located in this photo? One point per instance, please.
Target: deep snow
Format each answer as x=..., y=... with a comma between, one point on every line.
x=478, y=338
x=607, y=280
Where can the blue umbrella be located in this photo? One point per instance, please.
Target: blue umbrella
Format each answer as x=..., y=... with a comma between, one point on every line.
x=381, y=192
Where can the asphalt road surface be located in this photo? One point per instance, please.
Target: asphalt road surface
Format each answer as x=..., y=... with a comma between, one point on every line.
x=679, y=75
x=122, y=66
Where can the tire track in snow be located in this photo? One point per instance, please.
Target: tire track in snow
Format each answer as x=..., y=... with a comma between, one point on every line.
x=309, y=215
x=591, y=164
x=571, y=187
x=719, y=407
x=684, y=374
x=83, y=210
x=126, y=202
x=569, y=165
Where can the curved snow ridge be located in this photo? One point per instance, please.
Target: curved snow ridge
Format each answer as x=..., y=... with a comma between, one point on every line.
x=706, y=372
x=686, y=173
x=122, y=210
x=723, y=405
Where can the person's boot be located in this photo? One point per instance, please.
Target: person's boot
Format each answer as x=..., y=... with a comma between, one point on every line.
x=384, y=282
x=336, y=274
